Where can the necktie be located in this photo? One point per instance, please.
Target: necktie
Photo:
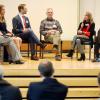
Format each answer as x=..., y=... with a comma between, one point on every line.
x=24, y=21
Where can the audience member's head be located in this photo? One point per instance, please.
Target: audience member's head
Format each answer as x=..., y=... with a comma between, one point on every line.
x=88, y=17
x=46, y=69
x=49, y=13
x=1, y=72
x=22, y=9
x=2, y=12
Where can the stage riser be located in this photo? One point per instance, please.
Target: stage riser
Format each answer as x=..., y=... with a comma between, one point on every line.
x=59, y=72
x=74, y=92
x=81, y=77
x=72, y=82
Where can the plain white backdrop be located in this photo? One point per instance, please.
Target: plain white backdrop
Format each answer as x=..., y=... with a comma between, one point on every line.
x=94, y=7
x=65, y=11
x=68, y=12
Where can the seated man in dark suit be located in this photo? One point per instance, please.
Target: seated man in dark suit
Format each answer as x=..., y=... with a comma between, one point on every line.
x=7, y=91
x=22, y=28
x=97, y=48
x=49, y=88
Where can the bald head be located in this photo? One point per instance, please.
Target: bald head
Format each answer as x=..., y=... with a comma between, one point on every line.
x=46, y=68
x=49, y=13
x=1, y=72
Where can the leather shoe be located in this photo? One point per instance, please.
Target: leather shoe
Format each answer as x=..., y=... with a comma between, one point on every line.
x=96, y=60
x=58, y=58
x=34, y=58
x=19, y=62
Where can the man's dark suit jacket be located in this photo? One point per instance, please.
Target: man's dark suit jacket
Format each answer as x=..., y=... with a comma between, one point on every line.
x=48, y=89
x=17, y=24
x=9, y=92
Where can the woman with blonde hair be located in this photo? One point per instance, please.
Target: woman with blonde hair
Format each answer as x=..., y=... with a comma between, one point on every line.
x=4, y=30
x=85, y=33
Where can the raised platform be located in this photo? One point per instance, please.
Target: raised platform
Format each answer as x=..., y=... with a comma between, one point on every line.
x=81, y=77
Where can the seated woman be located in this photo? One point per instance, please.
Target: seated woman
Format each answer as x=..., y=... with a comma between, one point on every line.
x=7, y=41
x=3, y=28
x=85, y=33
x=17, y=40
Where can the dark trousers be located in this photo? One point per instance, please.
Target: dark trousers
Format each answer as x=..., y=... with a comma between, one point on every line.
x=96, y=50
x=32, y=39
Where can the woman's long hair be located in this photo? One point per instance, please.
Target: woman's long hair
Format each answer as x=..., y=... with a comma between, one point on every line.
x=2, y=18
x=89, y=16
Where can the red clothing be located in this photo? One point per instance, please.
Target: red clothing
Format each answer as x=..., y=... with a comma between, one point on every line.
x=86, y=30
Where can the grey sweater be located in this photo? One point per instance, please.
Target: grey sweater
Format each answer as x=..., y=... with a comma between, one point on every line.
x=47, y=24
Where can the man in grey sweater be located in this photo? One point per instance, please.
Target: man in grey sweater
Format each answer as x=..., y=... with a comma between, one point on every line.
x=51, y=30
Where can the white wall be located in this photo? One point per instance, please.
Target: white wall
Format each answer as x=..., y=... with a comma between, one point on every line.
x=65, y=11
x=94, y=7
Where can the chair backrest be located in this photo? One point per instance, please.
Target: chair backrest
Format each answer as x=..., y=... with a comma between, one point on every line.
x=92, y=39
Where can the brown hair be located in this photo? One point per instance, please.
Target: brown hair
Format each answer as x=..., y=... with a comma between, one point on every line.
x=21, y=6
x=2, y=19
x=89, y=16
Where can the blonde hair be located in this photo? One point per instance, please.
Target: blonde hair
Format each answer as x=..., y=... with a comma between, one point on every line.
x=89, y=16
x=2, y=18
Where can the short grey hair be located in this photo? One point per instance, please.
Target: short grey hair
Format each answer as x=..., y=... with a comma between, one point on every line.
x=46, y=68
x=1, y=72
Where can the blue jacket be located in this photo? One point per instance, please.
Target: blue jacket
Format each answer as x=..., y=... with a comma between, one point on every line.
x=17, y=24
x=48, y=89
x=9, y=92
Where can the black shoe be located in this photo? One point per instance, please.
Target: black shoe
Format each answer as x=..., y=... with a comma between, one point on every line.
x=96, y=60
x=55, y=47
x=58, y=58
x=10, y=61
x=33, y=57
x=18, y=62
x=70, y=54
x=82, y=57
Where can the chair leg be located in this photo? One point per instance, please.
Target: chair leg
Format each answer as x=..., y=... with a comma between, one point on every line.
x=61, y=49
x=77, y=53
x=89, y=52
x=1, y=54
x=28, y=50
x=36, y=49
x=94, y=55
x=42, y=52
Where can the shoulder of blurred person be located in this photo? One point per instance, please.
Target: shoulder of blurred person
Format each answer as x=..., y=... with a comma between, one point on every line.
x=49, y=86
x=9, y=92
